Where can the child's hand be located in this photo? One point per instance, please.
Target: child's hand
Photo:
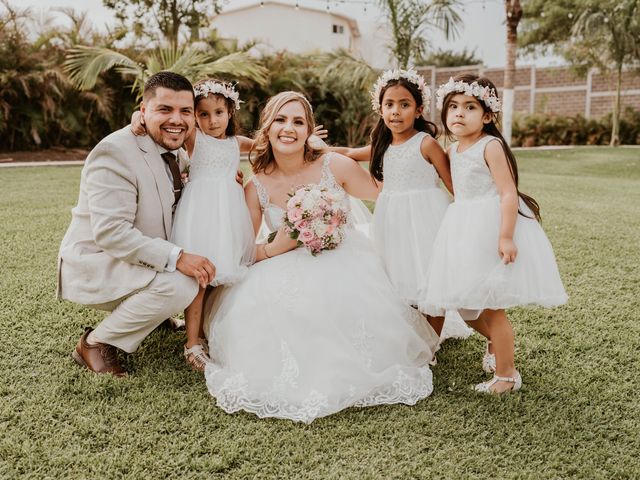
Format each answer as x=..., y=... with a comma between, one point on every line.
x=240, y=177
x=507, y=250
x=315, y=139
x=316, y=143
x=320, y=131
x=137, y=124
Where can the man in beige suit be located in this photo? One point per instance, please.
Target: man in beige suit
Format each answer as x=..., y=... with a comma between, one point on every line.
x=115, y=255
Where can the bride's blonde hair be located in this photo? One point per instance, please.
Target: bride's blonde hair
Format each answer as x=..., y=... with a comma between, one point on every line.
x=262, y=148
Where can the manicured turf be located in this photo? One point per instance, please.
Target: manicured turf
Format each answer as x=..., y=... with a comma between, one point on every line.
x=578, y=415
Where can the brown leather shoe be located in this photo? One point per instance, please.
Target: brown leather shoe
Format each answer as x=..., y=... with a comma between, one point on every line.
x=99, y=358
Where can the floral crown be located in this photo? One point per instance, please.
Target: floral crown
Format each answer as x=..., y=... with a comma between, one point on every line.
x=409, y=75
x=486, y=94
x=227, y=90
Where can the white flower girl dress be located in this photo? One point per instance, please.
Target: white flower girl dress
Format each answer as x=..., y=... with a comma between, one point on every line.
x=212, y=218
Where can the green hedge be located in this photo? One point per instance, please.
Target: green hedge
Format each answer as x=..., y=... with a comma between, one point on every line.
x=536, y=130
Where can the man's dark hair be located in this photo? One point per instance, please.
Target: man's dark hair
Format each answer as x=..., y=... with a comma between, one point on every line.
x=171, y=80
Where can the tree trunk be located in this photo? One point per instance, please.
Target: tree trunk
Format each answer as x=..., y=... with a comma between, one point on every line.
x=514, y=14
x=615, y=119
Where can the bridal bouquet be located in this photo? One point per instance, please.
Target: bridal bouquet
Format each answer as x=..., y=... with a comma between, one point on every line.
x=315, y=217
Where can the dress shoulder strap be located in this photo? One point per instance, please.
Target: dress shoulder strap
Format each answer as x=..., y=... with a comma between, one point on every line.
x=263, y=196
x=327, y=179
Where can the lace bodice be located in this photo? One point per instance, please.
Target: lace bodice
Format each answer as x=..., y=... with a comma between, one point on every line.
x=214, y=158
x=406, y=169
x=470, y=173
x=273, y=214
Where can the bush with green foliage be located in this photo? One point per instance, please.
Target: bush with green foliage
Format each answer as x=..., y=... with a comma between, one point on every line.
x=541, y=129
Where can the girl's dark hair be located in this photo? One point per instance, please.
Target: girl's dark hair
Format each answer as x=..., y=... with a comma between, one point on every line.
x=232, y=126
x=491, y=129
x=381, y=135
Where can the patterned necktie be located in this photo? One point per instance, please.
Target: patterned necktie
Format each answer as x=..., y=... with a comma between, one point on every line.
x=170, y=159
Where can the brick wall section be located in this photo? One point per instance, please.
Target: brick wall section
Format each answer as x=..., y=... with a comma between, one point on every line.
x=552, y=90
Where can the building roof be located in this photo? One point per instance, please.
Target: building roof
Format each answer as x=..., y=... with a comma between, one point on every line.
x=353, y=24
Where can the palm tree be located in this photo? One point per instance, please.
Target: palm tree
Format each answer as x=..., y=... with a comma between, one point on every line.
x=85, y=64
x=344, y=86
x=608, y=34
x=514, y=14
x=411, y=19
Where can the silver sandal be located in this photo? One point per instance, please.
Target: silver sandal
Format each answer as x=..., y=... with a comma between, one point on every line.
x=489, y=360
x=196, y=357
x=485, y=387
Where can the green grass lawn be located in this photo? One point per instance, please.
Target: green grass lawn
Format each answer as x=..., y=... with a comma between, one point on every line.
x=578, y=415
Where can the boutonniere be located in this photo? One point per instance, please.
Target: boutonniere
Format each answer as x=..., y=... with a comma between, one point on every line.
x=184, y=174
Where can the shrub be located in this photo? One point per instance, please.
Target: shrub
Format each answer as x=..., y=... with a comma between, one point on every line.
x=542, y=129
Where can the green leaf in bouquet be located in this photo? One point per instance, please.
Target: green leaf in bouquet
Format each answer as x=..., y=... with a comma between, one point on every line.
x=272, y=236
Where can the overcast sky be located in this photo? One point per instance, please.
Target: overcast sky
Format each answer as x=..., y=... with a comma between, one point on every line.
x=483, y=27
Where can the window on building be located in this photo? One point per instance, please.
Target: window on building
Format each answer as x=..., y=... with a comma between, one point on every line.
x=338, y=28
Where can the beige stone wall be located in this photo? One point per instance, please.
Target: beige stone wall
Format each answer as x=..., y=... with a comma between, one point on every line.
x=552, y=90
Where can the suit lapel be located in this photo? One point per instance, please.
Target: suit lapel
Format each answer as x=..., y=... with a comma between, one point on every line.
x=152, y=156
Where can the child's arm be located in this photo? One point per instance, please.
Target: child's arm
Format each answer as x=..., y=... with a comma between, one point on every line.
x=434, y=153
x=359, y=154
x=244, y=143
x=499, y=168
x=282, y=243
x=355, y=179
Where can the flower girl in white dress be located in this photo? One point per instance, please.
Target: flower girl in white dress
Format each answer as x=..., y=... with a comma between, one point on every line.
x=404, y=153
x=302, y=336
x=491, y=252
x=212, y=218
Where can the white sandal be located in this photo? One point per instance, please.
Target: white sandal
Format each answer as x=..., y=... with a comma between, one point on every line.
x=196, y=357
x=205, y=345
x=485, y=387
x=489, y=360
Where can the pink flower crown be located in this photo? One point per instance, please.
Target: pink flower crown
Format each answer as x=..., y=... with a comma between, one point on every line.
x=411, y=76
x=227, y=90
x=487, y=95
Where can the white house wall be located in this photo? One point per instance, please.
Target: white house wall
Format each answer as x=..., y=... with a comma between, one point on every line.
x=284, y=28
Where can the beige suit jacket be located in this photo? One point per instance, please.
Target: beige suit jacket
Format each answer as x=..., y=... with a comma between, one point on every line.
x=117, y=239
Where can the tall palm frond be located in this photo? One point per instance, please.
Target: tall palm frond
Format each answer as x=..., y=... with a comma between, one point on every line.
x=85, y=64
x=347, y=70
x=238, y=64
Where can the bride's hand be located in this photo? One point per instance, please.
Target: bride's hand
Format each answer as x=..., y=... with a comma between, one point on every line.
x=282, y=243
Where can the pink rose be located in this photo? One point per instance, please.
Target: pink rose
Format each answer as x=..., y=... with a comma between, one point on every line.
x=294, y=215
x=305, y=236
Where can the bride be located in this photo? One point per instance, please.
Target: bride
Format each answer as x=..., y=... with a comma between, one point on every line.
x=302, y=336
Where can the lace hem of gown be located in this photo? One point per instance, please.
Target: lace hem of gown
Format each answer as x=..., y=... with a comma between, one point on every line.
x=233, y=395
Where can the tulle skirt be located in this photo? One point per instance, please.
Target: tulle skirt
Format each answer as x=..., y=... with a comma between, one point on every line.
x=302, y=337
x=467, y=272
x=405, y=225
x=212, y=220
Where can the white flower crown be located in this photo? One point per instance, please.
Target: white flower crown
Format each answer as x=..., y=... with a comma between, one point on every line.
x=487, y=95
x=409, y=75
x=227, y=90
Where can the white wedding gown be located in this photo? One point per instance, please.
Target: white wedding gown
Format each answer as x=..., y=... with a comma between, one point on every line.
x=301, y=337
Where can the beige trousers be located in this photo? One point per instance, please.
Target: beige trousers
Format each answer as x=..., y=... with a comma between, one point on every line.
x=136, y=315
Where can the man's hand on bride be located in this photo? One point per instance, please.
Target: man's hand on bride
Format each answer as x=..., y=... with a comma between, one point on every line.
x=137, y=124
x=197, y=267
